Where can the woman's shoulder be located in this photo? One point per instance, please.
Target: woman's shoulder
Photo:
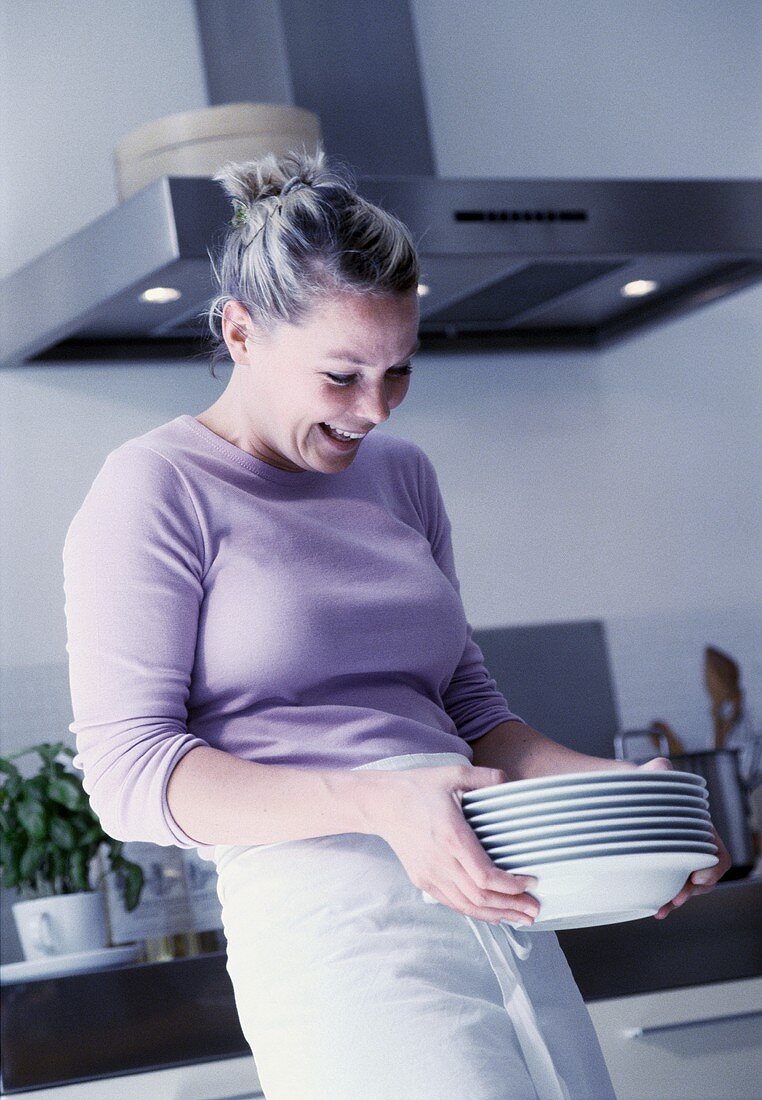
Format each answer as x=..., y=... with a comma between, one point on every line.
x=141, y=474
x=395, y=450
x=158, y=456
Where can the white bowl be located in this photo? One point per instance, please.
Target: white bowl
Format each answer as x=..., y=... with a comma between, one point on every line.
x=551, y=854
x=543, y=782
x=581, y=792
x=613, y=836
x=622, y=802
x=700, y=830
x=608, y=889
x=692, y=814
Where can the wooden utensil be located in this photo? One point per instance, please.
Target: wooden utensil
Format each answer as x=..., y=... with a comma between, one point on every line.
x=673, y=741
x=722, y=681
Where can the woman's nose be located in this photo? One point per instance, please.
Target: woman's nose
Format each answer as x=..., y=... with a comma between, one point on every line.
x=375, y=406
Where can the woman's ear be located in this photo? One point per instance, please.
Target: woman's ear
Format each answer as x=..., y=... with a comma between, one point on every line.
x=236, y=327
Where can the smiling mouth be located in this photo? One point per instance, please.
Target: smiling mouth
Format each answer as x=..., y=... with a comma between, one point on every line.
x=344, y=444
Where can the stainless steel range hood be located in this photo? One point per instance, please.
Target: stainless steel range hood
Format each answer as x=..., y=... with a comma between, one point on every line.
x=507, y=263
x=520, y=264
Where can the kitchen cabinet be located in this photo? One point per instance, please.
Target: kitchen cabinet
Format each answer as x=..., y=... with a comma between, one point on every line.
x=228, y=1079
x=127, y=1027
x=699, y=1043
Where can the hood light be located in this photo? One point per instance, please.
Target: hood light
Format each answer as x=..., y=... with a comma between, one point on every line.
x=160, y=294
x=638, y=287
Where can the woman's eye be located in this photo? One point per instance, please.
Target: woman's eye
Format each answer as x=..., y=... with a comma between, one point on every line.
x=347, y=379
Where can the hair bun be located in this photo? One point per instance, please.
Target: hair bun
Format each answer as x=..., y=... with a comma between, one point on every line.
x=294, y=184
x=274, y=174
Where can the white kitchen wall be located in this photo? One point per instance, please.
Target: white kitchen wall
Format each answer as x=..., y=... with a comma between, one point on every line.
x=620, y=485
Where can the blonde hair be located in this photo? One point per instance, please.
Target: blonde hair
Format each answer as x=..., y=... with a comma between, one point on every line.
x=301, y=233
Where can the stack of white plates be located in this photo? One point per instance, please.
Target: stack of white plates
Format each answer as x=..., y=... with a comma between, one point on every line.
x=604, y=846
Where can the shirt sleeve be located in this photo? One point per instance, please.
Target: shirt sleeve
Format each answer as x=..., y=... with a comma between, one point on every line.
x=472, y=698
x=133, y=565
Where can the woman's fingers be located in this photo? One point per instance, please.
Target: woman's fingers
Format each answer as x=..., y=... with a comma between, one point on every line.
x=700, y=882
x=490, y=892
x=482, y=881
x=455, y=899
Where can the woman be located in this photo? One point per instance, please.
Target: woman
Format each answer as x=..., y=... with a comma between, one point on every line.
x=270, y=662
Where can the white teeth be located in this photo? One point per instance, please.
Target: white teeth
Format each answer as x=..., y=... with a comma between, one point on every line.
x=347, y=435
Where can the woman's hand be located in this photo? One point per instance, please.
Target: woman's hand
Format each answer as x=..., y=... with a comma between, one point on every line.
x=419, y=814
x=700, y=882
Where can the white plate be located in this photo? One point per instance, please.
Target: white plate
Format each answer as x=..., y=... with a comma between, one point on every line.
x=53, y=966
x=579, y=793
x=546, y=855
x=609, y=838
x=621, y=803
x=598, y=829
x=608, y=889
x=648, y=814
x=519, y=785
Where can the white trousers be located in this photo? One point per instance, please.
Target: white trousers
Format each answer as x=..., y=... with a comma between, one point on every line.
x=349, y=986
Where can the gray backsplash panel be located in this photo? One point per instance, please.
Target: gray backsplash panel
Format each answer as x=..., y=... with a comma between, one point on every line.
x=556, y=676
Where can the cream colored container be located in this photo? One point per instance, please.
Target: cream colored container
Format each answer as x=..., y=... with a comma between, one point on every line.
x=198, y=143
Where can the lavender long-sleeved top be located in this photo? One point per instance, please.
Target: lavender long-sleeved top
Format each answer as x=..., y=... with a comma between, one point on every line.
x=285, y=617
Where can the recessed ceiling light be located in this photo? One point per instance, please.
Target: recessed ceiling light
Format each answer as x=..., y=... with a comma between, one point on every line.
x=160, y=294
x=638, y=287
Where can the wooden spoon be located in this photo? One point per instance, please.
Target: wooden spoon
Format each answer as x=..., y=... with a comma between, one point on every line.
x=673, y=741
x=722, y=681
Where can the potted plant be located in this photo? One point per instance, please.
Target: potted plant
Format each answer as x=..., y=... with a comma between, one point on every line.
x=49, y=837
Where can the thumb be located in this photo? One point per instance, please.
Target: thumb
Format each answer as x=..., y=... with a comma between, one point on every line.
x=483, y=777
x=658, y=764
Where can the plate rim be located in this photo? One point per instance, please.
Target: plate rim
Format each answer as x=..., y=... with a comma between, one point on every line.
x=570, y=816
x=638, y=848
x=572, y=778
x=521, y=797
x=686, y=801
x=640, y=834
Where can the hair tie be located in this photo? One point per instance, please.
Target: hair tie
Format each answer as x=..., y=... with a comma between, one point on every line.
x=292, y=185
x=241, y=215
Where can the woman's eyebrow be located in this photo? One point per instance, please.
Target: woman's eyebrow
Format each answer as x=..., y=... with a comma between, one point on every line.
x=350, y=357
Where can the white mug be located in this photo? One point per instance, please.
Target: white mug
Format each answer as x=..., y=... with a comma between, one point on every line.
x=64, y=924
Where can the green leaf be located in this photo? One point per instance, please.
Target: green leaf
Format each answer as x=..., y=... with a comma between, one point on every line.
x=133, y=885
x=8, y=768
x=31, y=815
x=13, y=786
x=9, y=875
x=58, y=859
x=49, y=750
x=8, y=857
x=67, y=791
x=31, y=860
x=62, y=834
x=78, y=869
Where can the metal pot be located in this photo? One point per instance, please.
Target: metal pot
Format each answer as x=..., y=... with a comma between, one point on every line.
x=728, y=798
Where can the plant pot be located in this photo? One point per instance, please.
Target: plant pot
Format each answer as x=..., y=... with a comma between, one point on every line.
x=63, y=924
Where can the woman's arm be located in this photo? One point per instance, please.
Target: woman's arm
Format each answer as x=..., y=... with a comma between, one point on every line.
x=525, y=753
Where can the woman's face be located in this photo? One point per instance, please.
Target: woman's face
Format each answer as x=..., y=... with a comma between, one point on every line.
x=347, y=366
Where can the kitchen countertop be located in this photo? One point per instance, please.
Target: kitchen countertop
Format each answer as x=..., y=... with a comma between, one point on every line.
x=714, y=937
x=157, y=1015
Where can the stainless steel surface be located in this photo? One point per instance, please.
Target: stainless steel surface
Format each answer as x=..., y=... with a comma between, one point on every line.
x=728, y=797
x=655, y=1029
x=504, y=263
x=520, y=264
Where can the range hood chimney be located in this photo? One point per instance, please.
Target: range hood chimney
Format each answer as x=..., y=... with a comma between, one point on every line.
x=520, y=264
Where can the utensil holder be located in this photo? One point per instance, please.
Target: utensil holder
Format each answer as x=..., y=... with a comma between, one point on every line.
x=728, y=798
